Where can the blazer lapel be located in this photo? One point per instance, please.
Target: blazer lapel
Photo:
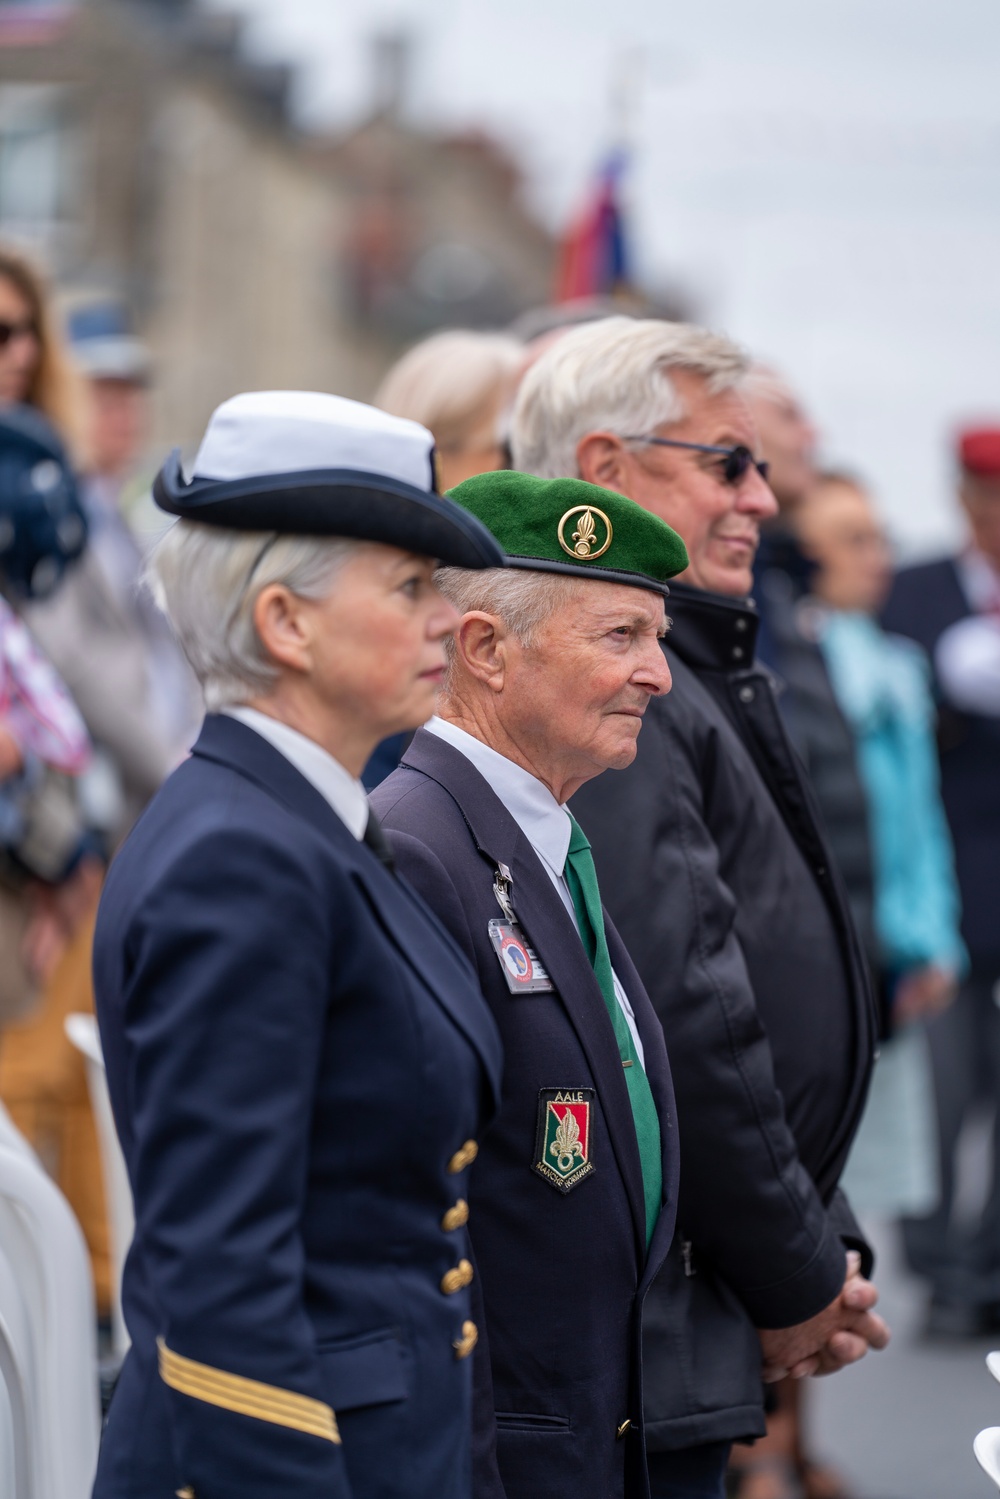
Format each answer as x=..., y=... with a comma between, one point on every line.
x=553, y=935
x=406, y=921
x=402, y=915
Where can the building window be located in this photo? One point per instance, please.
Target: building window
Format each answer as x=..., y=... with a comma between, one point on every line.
x=38, y=149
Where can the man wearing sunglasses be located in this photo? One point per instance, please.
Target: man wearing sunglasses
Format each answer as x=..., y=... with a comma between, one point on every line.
x=716, y=874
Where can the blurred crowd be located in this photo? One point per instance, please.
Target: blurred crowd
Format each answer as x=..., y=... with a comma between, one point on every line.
x=889, y=686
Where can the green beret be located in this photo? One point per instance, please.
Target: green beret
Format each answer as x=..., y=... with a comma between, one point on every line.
x=569, y=526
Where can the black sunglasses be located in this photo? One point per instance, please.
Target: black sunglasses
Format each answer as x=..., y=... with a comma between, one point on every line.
x=16, y=330
x=738, y=459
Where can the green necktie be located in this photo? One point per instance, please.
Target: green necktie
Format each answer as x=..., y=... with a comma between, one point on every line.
x=581, y=876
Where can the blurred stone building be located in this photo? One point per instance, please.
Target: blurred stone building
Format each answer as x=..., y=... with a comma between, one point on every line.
x=142, y=155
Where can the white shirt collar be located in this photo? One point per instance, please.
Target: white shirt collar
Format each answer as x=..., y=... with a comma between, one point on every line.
x=541, y=819
x=345, y=794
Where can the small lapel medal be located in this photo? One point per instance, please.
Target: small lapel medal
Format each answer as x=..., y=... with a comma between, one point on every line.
x=562, y=1143
x=519, y=963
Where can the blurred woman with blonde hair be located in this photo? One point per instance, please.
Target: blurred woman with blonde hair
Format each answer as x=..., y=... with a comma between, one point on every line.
x=35, y=367
x=461, y=385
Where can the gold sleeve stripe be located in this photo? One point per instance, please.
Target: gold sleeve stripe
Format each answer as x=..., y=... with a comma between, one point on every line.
x=247, y=1397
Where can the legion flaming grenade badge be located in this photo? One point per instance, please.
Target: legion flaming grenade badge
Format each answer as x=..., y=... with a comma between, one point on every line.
x=586, y=542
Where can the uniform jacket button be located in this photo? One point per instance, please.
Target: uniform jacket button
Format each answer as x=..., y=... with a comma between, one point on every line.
x=187, y=1492
x=625, y=1428
x=465, y=1344
x=456, y=1279
x=456, y=1217
x=463, y=1157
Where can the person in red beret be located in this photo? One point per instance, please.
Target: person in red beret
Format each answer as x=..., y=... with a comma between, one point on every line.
x=952, y=608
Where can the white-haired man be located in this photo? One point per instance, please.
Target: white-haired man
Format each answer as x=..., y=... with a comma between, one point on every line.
x=573, y=1192
x=718, y=878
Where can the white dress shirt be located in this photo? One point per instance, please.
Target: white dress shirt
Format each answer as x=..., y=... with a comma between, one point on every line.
x=336, y=785
x=542, y=820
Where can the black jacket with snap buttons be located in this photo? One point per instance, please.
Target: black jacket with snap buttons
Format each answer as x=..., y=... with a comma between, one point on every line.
x=718, y=879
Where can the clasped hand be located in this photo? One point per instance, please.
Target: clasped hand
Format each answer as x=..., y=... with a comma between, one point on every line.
x=839, y=1335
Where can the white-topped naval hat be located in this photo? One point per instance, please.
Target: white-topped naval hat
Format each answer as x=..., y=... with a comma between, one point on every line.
x=306, y=463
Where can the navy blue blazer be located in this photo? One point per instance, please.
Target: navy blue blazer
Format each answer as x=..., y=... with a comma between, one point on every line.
x=925, y=601
x=562, y=1273
x=299, y=1060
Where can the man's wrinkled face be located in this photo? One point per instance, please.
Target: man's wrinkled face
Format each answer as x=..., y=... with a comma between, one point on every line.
x=718, y=521
x=575, y=697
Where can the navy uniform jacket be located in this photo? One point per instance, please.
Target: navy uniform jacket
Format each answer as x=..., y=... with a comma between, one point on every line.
x=299, y=1061
x=563, y=1275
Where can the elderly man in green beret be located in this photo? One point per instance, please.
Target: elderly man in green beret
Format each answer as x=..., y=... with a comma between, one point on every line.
x=573, y=1194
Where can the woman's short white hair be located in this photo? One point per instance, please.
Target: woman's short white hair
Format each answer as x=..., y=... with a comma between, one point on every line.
x=207, y=579
x=457, y=383
x=613, y=376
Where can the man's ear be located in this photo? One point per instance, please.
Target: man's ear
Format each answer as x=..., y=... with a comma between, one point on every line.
x=481, y=644
x=602, y=458
x=282, y=628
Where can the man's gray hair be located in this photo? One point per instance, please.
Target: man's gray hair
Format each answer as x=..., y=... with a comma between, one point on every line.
x=613, y=376
x=521, y=597
x=207, y=580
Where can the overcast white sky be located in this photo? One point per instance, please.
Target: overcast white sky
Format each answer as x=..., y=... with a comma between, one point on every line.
x=824, y=176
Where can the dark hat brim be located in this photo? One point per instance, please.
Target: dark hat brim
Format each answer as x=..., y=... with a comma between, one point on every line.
x=332, y=502
x=593, y=574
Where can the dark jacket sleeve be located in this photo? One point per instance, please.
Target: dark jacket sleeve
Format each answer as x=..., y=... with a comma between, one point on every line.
x=424, y=870
x=745, y=1202
x=228, y=965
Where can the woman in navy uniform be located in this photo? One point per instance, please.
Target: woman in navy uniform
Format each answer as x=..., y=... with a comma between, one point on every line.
x=299, y=1058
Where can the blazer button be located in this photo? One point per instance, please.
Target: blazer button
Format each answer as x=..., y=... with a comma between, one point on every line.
x=187, y=1492
x=747, y=694
x=457, y=1279
x=465, y=1344
x=625, y=1428
x=463, y=1157
x=455, y=1217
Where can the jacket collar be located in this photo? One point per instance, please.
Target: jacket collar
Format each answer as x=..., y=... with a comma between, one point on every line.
x=712, y=632
x=400, y=912
x=554, y=937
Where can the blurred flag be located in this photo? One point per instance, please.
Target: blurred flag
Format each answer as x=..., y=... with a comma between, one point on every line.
x=593, y=257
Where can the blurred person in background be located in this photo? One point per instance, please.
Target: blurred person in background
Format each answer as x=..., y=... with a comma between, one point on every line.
x=460, y=385
x=94, y=646
x=782, y=580
x=43, y=741
x=951, y=607
x=50, y=864
x=717, y=876
x=35, y=367
x=111, y=644
x=882, y=683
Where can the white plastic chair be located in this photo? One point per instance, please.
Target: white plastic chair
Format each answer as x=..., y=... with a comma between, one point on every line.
x=49, y=1268
x=987, y=1449
x=19, y=1456
x=82, y=1031
x=11, y=1136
